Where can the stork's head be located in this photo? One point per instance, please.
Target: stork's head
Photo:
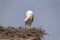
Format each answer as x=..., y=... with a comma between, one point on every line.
x=29, y=12
x=29, y=15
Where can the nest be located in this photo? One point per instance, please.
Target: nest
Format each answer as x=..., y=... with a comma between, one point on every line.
x=21, y=32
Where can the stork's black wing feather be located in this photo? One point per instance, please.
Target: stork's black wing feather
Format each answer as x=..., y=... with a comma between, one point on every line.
x=32, y=19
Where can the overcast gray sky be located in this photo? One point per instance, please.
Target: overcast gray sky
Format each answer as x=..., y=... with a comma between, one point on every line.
x=47, y=13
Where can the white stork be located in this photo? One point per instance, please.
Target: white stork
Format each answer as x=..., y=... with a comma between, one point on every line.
x=29, y=18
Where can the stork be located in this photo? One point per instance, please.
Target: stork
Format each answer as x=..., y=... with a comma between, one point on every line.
x=29, y=18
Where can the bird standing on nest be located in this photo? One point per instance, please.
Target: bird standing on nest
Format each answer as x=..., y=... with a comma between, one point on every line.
x=29, y=18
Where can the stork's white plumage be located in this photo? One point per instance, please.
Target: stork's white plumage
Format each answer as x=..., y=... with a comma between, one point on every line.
x=29, y=18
